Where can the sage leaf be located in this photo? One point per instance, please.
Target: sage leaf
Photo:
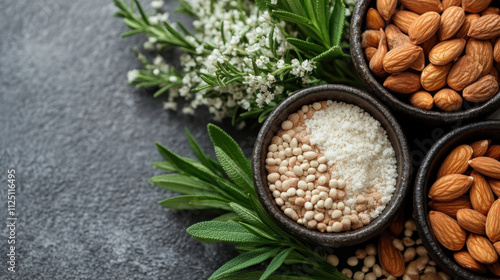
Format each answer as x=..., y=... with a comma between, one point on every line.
x=221, y=231
x=233, y=171
x=196, y=202
x=204, y=159
x=276, y=263
x=182, y=184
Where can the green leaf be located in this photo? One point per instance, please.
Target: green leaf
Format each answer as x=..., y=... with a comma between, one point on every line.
x=259, y=232
x=185, y=8
x=143, y=15
x=164, y=165
x=276, y=263
x=182, y=184
x=252, y=275
x=247, y=215
x=233, y=191
x=330, y=54
x=293, y=18
x=196, y=202
x=245, y=260
x=337, y=19
x=234, y=172
x=306, y=47
x=220, y=231
x=261, y=4
x=204, y=159
x=231, y=216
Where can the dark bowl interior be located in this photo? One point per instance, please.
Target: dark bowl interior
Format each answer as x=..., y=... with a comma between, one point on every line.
x=398, y=102
x=378, y=111
x=427, y=175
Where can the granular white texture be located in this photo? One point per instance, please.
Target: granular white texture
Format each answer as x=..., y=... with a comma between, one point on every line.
x=357, y=149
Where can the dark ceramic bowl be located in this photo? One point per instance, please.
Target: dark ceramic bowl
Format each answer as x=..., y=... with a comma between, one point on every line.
x=427, y=175
x=398, y=102
x=347, y=95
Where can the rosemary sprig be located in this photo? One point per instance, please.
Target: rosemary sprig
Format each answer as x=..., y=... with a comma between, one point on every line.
x=226, y=185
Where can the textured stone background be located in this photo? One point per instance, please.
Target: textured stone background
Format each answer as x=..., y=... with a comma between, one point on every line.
x=81, y=142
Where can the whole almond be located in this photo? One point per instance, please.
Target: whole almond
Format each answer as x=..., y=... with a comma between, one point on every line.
x=433, y=77
x=451, y=208
x=449, y=3
x=398, y=225
x=494, y=268
x=386, y=8
x=481, y=249
x=472, y=221
x=448, y=100
x=400, y=59
x=482, y=52
x=496, y=50
x=456, y=162
x=464, y=259
x=390, y=258
x=479, y=148
x=493, y=222
x=370, y=38
x=450, y=187
x=481, y=196
x=422, y=100
x=496, y=245
x=424, y=27
x=487, y=166
x=395, y=38
x=475, y=6
x=494, y=73
x=485, y=28
x=469, y=19
x=493, y=152
x=376, y=63
x=419, y=63
x=495, y=186
x=463, y=73
x=423, y=6
x=482, y=90
x=403, y=20
x=374, y=20
x=451, y=21
x=491, y=11
x=404, y=83
x=447, y=51
x=447, y=231
x=369, y=53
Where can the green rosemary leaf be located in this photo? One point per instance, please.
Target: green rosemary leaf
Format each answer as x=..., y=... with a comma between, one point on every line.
x=306, y=47
x=164, y=165
x=182, y=184
x=263, y=115
x=261, y=4
x=245, y=260
x=231, y=216
x=204, y=159
x=264, y=217
x=252, y=275
x=322, y=13
x=185, y=8
x=196, y=202
x=308, y=7
x=165, y=88
x=276, y=263
x=131, y=33
x=294, y=18
x=141, y=11
x=337, y=19
x=234, y=172
x=296, y=7
x=220, y=231
x=259, y=232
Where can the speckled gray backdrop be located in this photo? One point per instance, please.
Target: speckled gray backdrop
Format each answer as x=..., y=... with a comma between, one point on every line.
x=81, y=142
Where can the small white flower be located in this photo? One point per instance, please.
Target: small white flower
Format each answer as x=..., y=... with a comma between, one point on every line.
x=274, y=2
x=156, y=72
x=157, y=4
x=173, y=79
x=132, y=75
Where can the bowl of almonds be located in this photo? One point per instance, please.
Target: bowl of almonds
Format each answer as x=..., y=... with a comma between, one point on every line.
x=433, y=61
x=457, y=201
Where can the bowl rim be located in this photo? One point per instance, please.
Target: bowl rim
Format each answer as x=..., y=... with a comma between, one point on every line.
x=343, y=238
x=420, y=215
x=474, y=111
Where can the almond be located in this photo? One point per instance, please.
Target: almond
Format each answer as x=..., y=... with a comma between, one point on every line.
x=487, y=166
x=456, y=162
x=395, y=38
x=495, y=186
x=463, y=73
x=448, y=100
x=497, y=246
x=390, y=258
x=481, y=196
x=469, y=19
x=398, y=225
x=422, y=100
x=472, y=221
x=482, y=90
x=496, y=50
x=423, y=6
x=429, y=44
x=449, y=3
x=480, y=147
x=433, y=77
x=374, y=20
x=491, y=11
x=450, y=187
x=447, y=231
x=403, y=83
x=464, y=259
x=451, y=21
x=424, y=27
x=485, y=28
x=481, y=249
x=493, y=152
x=419, y=64
x=494, y=73
x=494, y=268
x=369, y=53
x=370, y=38
x=400, y=59
x=482, y=52
x=404, y=19
x=376, y=63
x=386, y=8
x=475, y=6
x=451, y=208
x=493, y=222
x=447, y=51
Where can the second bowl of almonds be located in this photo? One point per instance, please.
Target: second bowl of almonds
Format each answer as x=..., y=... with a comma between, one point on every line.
x=435, y=61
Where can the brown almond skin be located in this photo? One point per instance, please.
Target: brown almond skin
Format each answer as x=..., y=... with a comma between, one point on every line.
x=481, y=196
x=487, y=166
x=456, y=162
x=419, y=63
x=447, y=51
x=422, y=100
x=447, y=231
x=433, y=77
x=494, y=73
x=495, y=186
x=374, y=20
x=493, y=152
x=390, y=259
x=449, y=3
x=493, y=222
x=448, y=100
x=491, y=11
x=494, y=268
x=386, y=8
x=429, y=44
x=463, y=73
x=482, y=90
x=472, y=221
x=475, y=6
x=400, y=59
x=376, y=63
x=450, y=187
x=398, y=225
x=482, y=52
x=423, y=6
x=404, y=83
x=370, y=38
x=496, y=245
x=369, y=53
x=403, y=20
x=451, y=21
x=469, y=19
x=481, y=249
x=451, y=208
x=395, y=38
x=424, y=27
x=479, y=148
x=485, y=28
x=496, y=50
x=464, y=259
